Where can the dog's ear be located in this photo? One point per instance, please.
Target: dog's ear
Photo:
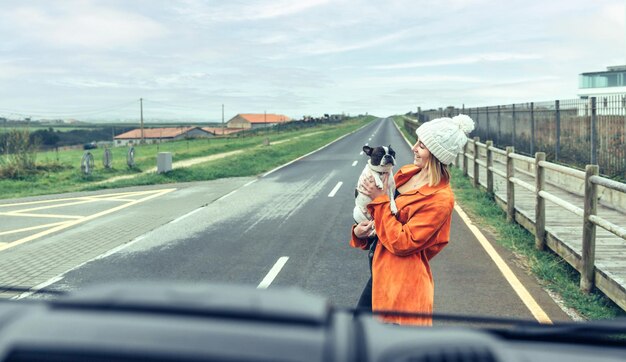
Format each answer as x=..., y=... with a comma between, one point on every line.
x=391, y=151
x=368, y=150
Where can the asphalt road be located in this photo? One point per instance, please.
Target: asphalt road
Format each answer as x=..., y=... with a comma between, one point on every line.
x=301, y=213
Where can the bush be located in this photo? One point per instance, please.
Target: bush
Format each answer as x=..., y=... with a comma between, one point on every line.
x=20, y=155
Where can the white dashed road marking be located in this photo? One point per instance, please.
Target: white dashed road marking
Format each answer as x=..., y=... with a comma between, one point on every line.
x=269, y=278
x=334, y=191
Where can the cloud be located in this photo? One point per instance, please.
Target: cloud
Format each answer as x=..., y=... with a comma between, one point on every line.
x=81, y=23
x=328, y=47
x=227, y=12
x=417, y=80
x=479, y=58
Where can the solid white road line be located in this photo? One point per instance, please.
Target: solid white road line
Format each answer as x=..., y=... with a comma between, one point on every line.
x=354, y=163
x=334, y=191
x=269, y=278
x=187, y=214
x=517, y=286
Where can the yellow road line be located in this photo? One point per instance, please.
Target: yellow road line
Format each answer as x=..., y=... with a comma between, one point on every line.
x=124, y=193
x=53, y=216
x=15, y=231
x=87, y=218
x=518, y=287
x=80, y=198
x=114, y=199
x=54, y=206
x=42, y=201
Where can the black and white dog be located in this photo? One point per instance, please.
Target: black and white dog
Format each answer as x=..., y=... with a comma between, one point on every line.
x=381, y=161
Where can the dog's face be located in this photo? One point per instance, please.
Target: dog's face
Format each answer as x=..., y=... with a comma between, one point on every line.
x=381, y=156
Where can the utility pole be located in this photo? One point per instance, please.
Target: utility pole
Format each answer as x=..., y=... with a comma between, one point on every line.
x=222, y=119
x=265, y=120
x=141, y=110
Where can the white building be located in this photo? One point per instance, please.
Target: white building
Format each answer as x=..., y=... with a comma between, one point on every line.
x=609, y=89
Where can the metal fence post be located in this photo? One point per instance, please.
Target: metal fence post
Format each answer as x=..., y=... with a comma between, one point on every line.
x=532, y=128
x=510, y=186
x=488, y=125
x=476, y=169
x=513, y=126
x=540, y=203
x=489, y=166
x=589, y=231
x=557, y=107
x=465, y=160
x=499, y=128
x=477, y=120
x=594, y=133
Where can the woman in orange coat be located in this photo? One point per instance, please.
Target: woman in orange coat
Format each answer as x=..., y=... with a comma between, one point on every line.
x=401, y=278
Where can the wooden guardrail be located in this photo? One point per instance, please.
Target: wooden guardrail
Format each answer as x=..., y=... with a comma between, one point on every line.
x=531, y=179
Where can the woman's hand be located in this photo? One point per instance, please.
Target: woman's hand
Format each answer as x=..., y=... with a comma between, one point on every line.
x=363, y=229
x=370, y=189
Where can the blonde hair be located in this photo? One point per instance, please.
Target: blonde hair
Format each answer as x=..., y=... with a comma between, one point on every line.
x=437, y=171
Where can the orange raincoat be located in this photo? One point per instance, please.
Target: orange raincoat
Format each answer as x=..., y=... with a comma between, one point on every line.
x=401, y=276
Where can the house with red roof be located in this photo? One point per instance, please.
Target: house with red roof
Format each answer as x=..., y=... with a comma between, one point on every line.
x=157, y=135
x=256, y=120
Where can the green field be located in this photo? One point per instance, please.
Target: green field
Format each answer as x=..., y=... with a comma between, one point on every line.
x=61, y=172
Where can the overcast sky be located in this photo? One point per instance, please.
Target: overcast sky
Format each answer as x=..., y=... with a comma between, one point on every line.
x=93, y=60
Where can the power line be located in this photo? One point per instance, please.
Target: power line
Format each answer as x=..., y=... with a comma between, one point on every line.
x=40, y=113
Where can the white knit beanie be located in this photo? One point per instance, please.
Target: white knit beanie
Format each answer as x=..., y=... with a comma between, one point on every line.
x=445, y=137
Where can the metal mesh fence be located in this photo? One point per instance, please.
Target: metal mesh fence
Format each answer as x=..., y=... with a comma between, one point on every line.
x=575, y=132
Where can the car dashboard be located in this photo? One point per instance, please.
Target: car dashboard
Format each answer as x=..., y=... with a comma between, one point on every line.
x=190, y=322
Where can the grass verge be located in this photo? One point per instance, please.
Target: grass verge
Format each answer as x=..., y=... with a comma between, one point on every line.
x=552, y=272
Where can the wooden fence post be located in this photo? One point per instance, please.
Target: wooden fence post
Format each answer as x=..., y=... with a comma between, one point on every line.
x=476, y=166
x=540, y=203
x=489, y=165
x=589, y=231
x=510, y=186
x=465, y=160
